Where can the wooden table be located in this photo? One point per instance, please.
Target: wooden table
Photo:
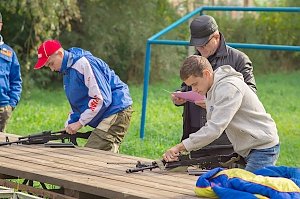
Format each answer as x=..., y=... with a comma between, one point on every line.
x=85, y=173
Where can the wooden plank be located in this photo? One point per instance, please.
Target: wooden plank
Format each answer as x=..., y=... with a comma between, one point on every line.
x=100, y=158
x=97, y=161
x=75, y=167
x=106, y=188
x=118, y=158
x=63, y=158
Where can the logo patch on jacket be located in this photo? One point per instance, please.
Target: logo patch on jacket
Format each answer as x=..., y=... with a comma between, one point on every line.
x=6, y=52
x=93, y=103
x=211, y=108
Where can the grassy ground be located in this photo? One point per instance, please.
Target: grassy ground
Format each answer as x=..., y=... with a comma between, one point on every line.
x=280, y=93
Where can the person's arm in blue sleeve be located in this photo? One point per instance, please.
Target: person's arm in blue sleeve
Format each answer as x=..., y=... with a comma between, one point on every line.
x=15, y=82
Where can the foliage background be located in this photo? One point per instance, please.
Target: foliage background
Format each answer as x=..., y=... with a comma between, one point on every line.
x=27, y=23
x=117, y=32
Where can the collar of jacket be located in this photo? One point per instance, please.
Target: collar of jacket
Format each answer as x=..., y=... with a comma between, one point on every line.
x=222, y=51
x=67, y=61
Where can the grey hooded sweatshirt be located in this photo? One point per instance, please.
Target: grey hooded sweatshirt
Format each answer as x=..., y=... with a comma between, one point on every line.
x=232, y=106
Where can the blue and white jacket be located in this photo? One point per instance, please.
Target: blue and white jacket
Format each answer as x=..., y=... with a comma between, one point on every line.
x=10, y=77
x=94, y=90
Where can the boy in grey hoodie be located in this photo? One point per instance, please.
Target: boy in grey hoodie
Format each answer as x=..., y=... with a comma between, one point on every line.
x=231, y=106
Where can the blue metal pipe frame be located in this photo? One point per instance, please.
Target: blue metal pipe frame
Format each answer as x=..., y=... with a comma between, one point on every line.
x=153, y=40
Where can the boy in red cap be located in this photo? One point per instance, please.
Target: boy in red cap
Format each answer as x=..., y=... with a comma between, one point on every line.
x=97, y=96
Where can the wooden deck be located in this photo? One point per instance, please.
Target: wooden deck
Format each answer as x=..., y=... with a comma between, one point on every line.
x=85, y=173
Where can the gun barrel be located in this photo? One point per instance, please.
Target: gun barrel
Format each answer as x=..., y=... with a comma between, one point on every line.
x=150, y=167
x=9, y=143
x=44, y=133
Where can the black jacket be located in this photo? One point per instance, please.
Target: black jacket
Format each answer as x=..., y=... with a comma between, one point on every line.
x=194, y=117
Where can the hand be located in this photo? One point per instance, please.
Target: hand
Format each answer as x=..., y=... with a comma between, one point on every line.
x=201, y=103
x=177, y=100
x=73, y=128
x=173, y=153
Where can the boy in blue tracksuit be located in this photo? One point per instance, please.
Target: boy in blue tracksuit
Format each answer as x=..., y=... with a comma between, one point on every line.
x=10, y=81
x=97, y=96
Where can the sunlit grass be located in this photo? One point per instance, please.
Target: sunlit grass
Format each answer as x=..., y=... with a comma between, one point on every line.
x=280, y=94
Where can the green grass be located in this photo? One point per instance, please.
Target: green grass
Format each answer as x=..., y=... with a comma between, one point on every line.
x=280, y=93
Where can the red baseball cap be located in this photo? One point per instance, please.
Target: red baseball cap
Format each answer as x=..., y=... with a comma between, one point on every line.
x=46, y=49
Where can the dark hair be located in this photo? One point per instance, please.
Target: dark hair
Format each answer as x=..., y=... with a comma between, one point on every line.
x=194, y=65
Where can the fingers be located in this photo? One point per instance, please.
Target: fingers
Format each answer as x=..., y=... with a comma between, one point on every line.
x=73, y=128
x=173, y=153
x=170, y=156
x=201, y=103
x=70, y=130
x=177, y=100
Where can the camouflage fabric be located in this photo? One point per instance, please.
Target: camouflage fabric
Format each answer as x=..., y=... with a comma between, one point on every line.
x=109, y=134
x=5, y=113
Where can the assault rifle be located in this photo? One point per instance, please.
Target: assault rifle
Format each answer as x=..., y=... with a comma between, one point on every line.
x=206, y=163
x=46, y=136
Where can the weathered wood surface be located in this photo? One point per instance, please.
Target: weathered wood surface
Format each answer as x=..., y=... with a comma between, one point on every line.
x=86, y=170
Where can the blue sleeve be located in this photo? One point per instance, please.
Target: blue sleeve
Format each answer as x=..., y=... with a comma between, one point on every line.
x=74, y=117
x=15, y=82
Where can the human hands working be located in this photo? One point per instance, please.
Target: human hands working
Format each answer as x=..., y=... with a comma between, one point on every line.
x=201, y=103
x=173, y=153
x=177, y=100
x=73, y=128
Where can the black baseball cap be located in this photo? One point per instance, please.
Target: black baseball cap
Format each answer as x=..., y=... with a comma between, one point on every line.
x=201, y=28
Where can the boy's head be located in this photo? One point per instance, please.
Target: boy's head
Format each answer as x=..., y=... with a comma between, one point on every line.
x=197, y=72
x=50, y=54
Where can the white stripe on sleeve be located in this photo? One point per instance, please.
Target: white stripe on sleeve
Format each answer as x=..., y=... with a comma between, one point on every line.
x=96, y=101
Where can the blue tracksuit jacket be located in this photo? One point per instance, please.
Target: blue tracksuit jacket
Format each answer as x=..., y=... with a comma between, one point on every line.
x=94, y=90
x=10, y=77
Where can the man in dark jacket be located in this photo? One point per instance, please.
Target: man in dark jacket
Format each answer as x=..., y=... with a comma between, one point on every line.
x=210, y=43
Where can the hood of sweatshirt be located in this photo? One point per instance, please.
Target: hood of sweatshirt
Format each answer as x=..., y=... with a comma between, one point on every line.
x=222, y=73
x=226, y=71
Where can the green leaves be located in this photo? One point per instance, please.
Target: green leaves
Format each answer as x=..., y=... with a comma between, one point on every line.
x=28, y=23
x=117, y=32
